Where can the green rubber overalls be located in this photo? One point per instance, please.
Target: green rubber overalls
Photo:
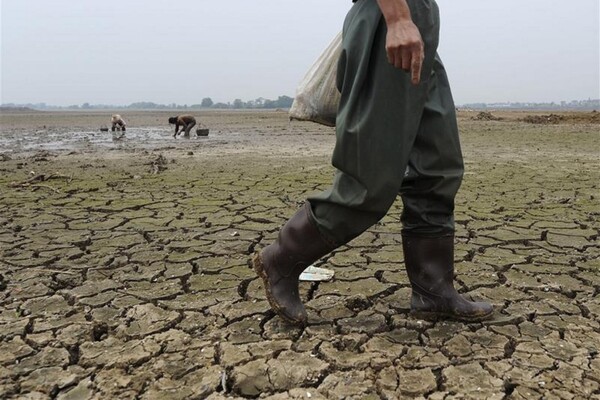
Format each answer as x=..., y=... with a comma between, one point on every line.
x=392, y=137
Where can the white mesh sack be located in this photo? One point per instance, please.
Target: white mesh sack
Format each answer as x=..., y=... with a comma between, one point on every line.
x=317, y=96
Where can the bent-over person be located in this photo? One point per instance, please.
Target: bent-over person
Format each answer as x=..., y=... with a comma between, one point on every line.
x=185, y=122
x=118, y=123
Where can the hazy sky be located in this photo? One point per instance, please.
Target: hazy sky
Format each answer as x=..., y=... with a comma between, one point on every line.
x=116, y=52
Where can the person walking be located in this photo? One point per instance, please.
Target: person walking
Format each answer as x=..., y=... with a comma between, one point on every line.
x=396, y=134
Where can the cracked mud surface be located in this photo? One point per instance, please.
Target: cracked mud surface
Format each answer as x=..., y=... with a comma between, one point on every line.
x=124, y=283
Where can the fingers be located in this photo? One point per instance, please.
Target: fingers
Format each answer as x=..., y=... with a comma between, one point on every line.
x=391, y=56
x=409, y=59
x=400, y=58
x=416, y=67
x=407, y=56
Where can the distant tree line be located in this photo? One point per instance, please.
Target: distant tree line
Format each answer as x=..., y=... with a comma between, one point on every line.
x=206, y=103
x=286, y=102
x=589, y=104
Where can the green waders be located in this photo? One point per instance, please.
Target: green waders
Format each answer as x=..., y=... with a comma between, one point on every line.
x=386, y=124
x=392, y=138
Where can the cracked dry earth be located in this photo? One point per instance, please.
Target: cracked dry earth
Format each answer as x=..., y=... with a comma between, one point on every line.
x=124, y=283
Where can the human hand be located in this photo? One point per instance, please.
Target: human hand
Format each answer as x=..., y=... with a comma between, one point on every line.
x=405, y=49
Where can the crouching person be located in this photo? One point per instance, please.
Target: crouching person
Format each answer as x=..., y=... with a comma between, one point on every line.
x=185, y=122
x=118, y=123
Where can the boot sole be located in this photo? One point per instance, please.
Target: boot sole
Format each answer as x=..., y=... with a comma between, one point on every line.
x=436, y=316
x=260, y=271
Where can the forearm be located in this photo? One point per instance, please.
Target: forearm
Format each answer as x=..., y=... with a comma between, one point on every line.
x=394, y=11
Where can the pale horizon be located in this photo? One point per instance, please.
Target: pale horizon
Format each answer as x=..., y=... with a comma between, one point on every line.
x=64, y=53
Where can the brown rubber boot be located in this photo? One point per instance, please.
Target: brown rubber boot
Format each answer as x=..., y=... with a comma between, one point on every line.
x=430, y=267
x=280, y=264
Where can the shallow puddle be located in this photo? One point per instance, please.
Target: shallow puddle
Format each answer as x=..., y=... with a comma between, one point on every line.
x=60, y=139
